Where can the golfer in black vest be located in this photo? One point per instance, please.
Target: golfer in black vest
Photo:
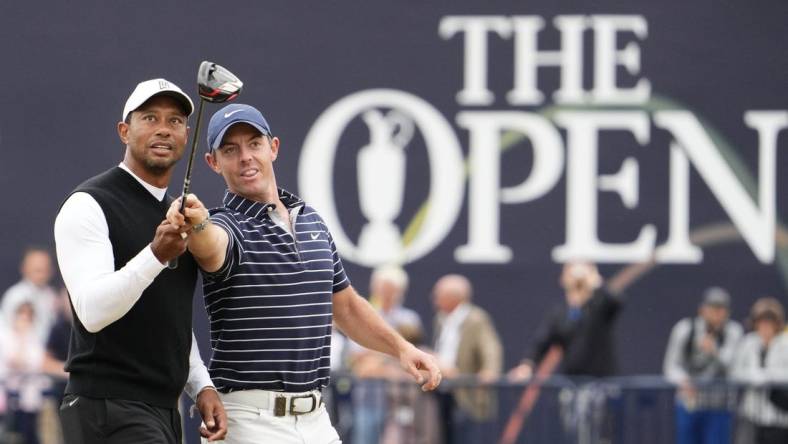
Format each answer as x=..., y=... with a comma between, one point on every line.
x=132, y=352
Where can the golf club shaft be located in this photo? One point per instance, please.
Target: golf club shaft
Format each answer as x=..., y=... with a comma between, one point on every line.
x=173, y=263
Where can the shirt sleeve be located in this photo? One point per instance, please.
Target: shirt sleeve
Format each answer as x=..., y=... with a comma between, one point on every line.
x=341, y=280
x=745, y=367
x=491, y=351
x=777, y=360
x=673, y=367
x=198, y=375
x=545, y=336
x=100, y=294
x=611, y=304
x=233, y=254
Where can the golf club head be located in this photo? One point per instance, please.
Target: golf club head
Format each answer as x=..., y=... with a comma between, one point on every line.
x=216, y=84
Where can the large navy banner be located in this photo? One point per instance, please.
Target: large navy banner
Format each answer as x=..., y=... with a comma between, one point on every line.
x=494, y=139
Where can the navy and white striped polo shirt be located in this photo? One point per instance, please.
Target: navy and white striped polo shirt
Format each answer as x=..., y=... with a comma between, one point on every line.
x=270, y=303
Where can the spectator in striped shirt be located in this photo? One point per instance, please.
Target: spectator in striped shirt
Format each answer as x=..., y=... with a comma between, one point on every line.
x=273, y=283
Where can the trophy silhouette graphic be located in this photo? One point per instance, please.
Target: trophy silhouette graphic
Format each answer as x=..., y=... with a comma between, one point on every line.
x=381, y=184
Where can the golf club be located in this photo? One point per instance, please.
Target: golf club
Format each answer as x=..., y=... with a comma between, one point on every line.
x=215, y=84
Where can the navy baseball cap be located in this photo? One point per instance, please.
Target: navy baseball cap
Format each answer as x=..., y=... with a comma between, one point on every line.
x=228, y=116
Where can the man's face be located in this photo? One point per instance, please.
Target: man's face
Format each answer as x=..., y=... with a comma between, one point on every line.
x=446, y=296
x=245, y=159
x=388, y=292
x=37, y=268
x=579, y=280
x=155, y=136
x=24, y=317
x=443, y=301
x=714, y=315
x=767, y=329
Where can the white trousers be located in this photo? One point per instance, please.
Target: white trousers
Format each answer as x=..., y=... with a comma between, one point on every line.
x=251, y=425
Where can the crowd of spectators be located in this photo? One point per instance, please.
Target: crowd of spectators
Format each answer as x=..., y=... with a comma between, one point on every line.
x=705, y=357
x=723, y=377
x=34, y=332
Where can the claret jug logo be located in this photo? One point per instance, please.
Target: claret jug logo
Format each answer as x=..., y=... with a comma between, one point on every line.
x=381, y=173
x=392, y=117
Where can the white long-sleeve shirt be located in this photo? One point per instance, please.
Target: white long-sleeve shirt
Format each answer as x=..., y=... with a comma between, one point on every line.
x=100, y=294
x=748, y=369
x=675, y=367
x=43, y=300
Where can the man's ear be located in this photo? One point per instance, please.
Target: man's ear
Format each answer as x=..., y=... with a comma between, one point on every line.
x=123, y=132
x=274, y=148
x=210, y=159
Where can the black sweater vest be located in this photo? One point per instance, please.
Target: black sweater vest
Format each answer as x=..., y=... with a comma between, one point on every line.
x=144, y=355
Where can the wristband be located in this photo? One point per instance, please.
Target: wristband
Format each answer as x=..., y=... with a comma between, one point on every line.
x=202, y=225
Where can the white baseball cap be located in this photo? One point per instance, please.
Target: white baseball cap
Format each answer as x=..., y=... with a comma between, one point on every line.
x=154, y=87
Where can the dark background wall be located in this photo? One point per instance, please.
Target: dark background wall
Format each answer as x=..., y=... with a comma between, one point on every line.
x=67, y=69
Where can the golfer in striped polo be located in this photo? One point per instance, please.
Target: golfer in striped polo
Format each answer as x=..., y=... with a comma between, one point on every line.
x=273, y=284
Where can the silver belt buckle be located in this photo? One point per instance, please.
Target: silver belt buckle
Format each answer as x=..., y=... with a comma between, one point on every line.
x=312, y=409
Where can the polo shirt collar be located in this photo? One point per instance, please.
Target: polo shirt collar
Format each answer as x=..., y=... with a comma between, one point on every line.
x=256, y=209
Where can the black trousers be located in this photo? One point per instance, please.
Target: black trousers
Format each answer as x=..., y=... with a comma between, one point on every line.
x=771, y=435
x=116, y=421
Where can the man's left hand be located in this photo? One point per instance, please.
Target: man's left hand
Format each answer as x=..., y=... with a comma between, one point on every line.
x=422, y=366
x=213, y=415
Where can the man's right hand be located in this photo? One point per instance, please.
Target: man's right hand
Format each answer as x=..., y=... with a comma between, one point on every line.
x=213, y=416
x=207, y=242
x=194, y=212
x=688, y=393
x=168, y=243
x=520, y=373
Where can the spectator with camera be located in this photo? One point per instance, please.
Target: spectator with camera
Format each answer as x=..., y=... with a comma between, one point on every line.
x=698, y=357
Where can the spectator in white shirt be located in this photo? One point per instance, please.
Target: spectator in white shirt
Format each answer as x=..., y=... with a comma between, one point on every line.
x=760, y=360
x=36, y=271
x=21, y=355
x=466, y=344
x=697, y=359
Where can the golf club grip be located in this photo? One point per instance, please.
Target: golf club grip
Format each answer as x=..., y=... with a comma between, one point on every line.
x=173, y=263
x=183, y=197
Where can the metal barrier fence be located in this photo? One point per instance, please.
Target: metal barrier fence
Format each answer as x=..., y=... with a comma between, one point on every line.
x=29, y=409
x=627, y=410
